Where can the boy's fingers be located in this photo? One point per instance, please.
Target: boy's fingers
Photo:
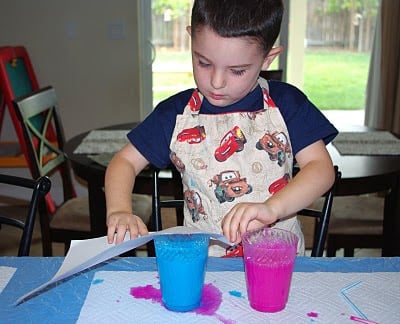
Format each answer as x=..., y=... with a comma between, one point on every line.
x=110, y=234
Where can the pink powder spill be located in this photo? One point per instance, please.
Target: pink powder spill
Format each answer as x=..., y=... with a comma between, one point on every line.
x=312, y=314
x=211, y=299
x=147, y=292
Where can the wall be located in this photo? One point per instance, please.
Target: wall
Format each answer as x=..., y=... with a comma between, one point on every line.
x=87, y=50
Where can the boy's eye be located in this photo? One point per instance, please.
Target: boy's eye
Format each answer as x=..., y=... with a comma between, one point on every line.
x=238, y=72
x=204, y=64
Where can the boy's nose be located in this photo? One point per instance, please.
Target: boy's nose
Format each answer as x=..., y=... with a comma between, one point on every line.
x=218, y=80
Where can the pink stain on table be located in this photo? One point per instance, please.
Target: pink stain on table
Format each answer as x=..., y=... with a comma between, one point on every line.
x=211, y=299
x=312, y=314
x=147, y=292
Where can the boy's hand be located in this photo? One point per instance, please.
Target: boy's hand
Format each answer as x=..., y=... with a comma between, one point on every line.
x=245, y=217
x=120, y=223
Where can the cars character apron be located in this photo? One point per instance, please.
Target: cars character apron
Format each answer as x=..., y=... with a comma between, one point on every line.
x=229, y=158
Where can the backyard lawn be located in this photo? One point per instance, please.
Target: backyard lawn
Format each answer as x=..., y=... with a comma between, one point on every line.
x=332, y=80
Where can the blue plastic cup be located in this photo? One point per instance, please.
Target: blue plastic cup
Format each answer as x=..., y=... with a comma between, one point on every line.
x=181, y=261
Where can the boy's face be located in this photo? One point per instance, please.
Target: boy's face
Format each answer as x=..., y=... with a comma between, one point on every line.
x=226, y=69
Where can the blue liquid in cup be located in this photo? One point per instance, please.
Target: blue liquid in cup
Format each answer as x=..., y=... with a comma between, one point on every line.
x=181, y=262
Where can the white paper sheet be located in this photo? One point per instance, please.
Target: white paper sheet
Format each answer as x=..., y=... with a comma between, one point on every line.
x=315, y=297
x=87, y=253
x=6, y=274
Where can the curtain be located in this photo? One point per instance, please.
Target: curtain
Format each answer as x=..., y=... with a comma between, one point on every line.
x=383, y=89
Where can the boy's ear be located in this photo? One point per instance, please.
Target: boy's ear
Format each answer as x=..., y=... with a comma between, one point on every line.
x=189, y=30
x=273, y=53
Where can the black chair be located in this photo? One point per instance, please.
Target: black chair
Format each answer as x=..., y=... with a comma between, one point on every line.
x=356, y=223
x=40, y=187
x=322, y=215
x=272, y=74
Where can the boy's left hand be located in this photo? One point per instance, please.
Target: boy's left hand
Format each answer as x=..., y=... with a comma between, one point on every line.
x=245, y=217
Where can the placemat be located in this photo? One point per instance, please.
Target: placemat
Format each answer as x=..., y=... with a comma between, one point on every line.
x=102, y=141
x=367, y=143
x=315, y=297
x=6, y=274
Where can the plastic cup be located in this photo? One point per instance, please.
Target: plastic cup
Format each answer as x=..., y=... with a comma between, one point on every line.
x=269, y=256
x=181, y=261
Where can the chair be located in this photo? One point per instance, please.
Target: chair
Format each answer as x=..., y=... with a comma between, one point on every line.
x=272, y=74
x=40, y=188
x=355, y=223
x=322, y=215
x=42, y=130
x=17, y=78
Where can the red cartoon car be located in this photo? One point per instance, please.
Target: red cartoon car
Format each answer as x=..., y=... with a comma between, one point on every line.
x=192, y=135
x=279, y=184
x=232, y=142
x=195, y=102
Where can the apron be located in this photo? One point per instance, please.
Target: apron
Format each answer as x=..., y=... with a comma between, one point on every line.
x=229, y=158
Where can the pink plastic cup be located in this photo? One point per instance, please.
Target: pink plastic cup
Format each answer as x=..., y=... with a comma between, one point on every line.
x=269, y=256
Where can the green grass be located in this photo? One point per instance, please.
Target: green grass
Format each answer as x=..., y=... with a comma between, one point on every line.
x=336, y=80
x=332, y=80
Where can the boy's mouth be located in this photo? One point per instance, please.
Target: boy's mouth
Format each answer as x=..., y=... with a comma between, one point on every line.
x=216, y=96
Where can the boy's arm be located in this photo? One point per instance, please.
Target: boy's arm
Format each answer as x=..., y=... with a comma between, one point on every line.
x=315, y=177
x=119, y=182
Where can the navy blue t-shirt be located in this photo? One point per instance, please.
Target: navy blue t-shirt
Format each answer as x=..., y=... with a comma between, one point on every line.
x=305, y=123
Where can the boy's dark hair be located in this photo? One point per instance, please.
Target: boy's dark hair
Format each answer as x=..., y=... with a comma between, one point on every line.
x=259, y=19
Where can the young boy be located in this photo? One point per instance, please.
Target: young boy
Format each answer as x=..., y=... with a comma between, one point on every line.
x=234, y=139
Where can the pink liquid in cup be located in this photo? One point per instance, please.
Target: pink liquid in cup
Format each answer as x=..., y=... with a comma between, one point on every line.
x=269, y=256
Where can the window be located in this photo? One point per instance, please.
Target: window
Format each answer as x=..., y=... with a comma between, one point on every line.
x=328, y=44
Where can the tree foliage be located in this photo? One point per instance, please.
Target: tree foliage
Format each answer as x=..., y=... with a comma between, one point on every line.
x=177, y=7
x=365, y=7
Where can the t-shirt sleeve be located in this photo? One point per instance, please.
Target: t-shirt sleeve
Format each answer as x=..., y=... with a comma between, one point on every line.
x=305, y=122
x=153, y=135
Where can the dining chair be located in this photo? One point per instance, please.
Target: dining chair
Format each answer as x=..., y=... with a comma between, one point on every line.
x=321, y=215
x=43, y=133
x=272, y=74
x=356, y=222
x=40, y=187
x=17, y=78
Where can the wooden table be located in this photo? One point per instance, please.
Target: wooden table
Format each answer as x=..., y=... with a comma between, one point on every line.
x=360, y=174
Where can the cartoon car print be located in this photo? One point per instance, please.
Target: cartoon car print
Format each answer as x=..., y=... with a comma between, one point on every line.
x=229, y=185
x=268, y=100
x=177, y=162
x=234, y=251
x=232, y=142
x=276, y=145
x=194, y=204
x=279, y=184
x=195, y=102
x=192, y=135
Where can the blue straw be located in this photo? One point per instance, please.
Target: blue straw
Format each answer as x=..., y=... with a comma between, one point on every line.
x=347, y=299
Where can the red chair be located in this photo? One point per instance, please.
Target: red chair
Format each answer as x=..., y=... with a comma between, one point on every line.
x=17, y=78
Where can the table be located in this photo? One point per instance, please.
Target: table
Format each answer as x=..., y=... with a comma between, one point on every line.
x=93, y=173
x=63, y=302
x=360, y=174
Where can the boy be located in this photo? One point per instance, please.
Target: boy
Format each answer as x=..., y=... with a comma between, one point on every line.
x=234, y=138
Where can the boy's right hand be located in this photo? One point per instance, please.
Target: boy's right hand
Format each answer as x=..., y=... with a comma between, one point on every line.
x=120, y=223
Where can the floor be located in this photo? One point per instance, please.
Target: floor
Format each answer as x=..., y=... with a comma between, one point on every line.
x=18, y=200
